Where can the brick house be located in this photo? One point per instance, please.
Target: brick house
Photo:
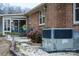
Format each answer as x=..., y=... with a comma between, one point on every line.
x=54, y=15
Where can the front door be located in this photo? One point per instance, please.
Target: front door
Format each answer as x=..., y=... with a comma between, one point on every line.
x=7, y=26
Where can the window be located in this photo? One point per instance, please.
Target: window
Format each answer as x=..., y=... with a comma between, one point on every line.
x=76, y=13
x=63, y=34
x=46, y=34
x=7, y=25
x=42, y=17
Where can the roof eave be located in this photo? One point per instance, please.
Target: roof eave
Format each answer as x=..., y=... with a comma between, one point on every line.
x=35, y=9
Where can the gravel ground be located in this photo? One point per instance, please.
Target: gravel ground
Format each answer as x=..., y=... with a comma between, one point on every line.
x=40, y=52
x=30, y=50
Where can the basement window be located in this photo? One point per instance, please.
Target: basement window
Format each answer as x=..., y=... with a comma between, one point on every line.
x=76, y=13
x=46, y=34
x=63, y=34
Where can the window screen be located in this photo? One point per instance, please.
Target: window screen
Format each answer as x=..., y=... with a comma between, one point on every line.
x=46, y=34
x=62, y=34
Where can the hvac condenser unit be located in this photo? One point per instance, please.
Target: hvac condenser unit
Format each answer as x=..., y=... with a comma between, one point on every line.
x=58, y=39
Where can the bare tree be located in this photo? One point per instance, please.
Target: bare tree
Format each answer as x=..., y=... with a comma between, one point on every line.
x=8, y=9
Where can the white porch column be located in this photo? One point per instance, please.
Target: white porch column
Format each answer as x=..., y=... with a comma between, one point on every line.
x=18, y=25
x=3, y=25
x=10, y=24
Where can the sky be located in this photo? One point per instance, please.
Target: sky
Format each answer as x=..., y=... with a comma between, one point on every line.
x=23, y=3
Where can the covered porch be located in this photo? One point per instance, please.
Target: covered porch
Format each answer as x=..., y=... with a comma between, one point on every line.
x=13, y=23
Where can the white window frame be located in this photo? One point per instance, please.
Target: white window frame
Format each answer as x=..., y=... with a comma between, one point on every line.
x=41, y=16
x=74, y=14
x=4, y=20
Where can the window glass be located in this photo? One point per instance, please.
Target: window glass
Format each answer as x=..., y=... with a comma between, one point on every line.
x=76, y=12
x=77, y=5
x=40, y=20
x=62, y=34
x=42, y=17
x=46, y=34
x=77, y=15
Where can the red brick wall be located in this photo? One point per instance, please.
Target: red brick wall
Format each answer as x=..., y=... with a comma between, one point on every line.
x=33, y=22
x=69, y=15
x=57, y=16
x=50, y=16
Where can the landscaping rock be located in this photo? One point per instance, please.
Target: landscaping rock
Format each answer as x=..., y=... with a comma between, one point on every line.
x=32, y=50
